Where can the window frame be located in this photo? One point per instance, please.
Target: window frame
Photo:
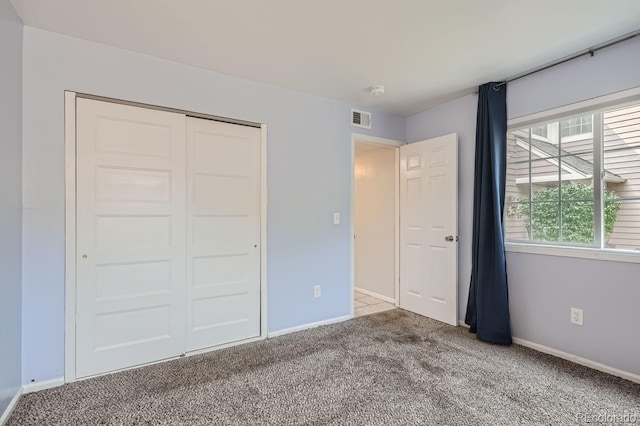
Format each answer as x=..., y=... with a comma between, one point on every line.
x=595, y=106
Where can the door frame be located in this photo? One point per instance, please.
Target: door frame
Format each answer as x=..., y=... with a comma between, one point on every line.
x=70, y=98
x=357, y=137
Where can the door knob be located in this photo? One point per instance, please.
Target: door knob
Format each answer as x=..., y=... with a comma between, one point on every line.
x=450, y=238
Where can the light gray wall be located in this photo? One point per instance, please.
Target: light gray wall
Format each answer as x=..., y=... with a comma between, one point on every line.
x=610, y=70
x=10, y=202
x=457, y=116
x=543, y=288
x=309, y=178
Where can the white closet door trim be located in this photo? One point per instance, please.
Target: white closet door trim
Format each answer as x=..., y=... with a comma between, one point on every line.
x=263, y=231
x=70, y=237
x=167, y=109
x=70, y=230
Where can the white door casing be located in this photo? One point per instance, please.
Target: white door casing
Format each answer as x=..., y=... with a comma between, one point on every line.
x=130, y=216
x=360, y=138
x=223, y=233
x=429, y=228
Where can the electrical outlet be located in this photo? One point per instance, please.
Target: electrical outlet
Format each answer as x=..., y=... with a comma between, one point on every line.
x=576, y=316
x=316, y=291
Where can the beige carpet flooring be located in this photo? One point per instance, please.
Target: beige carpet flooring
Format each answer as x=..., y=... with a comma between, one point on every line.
x=390, y=368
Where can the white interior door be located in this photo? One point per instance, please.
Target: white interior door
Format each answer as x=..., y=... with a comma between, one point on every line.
x=223, y=233
x=429, y=227
x=130, y=294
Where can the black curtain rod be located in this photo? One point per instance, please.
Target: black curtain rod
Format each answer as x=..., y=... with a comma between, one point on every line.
x=589, y=52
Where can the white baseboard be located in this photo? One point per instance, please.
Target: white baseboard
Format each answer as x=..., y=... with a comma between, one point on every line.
x=12, y=405
x=573, y=358
x=45, y=384
x=376, y=295
x=578, y=360
x=307, y=326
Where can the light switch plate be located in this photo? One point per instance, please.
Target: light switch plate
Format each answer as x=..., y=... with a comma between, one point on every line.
x=336, y=218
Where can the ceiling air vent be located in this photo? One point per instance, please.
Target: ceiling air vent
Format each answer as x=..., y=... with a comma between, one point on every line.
x=360, y=119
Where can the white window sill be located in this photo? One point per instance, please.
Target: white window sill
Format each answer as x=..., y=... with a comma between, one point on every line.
x=584, y=253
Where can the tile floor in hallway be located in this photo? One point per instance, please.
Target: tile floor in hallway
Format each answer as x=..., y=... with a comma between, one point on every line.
x=366, y=304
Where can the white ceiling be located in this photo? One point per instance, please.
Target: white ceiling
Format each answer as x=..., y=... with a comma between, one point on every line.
x=422, y=51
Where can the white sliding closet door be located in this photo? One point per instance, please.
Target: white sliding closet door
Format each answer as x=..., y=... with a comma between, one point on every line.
x=223, y=233
x=131, y=171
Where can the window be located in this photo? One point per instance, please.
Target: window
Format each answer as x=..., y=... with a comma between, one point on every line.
x=540, y=131
x=582, y=125
x=576, y=181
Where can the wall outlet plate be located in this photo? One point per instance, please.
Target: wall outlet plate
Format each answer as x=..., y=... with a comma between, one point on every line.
x=577, y=316
x=336, y=218
x=316, y=291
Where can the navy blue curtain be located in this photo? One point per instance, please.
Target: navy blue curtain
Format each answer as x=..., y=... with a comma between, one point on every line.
x=488, y=305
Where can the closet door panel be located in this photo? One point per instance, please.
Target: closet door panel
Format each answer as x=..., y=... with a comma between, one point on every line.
x=131, y=195
x=223, y=233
